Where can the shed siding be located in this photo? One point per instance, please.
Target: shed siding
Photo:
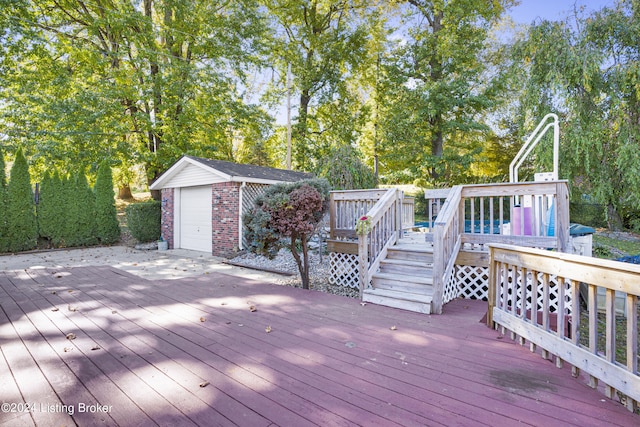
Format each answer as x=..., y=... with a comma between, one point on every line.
x=192, y=176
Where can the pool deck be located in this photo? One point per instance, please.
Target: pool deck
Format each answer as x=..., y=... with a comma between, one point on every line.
x=217, y=349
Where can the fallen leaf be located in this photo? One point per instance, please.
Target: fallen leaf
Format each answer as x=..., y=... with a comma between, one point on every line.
x=202, y=319
x=55, y=309
x=114, y=311
x=134, y=264
x=71, y=336
x=68, y=349
x=223, y=303
x=95, y=347
x=71, y=291
x=58, y=276
x=72, y=308
x=267, y=329
x=252, y=308
x=393, y=328
x=204, y=384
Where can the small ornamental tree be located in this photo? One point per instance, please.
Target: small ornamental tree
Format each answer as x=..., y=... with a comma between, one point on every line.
x=107, y=227
x=3, y=205
x=21, y=225
x=287, y=214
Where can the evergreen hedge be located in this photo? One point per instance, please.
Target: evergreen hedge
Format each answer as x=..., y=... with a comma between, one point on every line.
x=143, y=220
x=107, y=227
x=83, y=208
x=45, y=210
x=3, y=205
x=21, y=224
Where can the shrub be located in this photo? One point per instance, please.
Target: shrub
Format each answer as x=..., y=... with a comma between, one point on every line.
x=81, y=204
x=46, y=208
x=21, y=224
x=143, y=220
x=345, y=171
x=288, y=212
x=3, y=205
x=107, y=227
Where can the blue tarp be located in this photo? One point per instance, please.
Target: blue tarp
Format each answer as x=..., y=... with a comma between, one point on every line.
x=630, y=259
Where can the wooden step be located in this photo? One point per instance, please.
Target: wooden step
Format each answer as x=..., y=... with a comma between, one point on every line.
x=401, y=266
x=418, y=255
x=405, y=280
x=402, y=300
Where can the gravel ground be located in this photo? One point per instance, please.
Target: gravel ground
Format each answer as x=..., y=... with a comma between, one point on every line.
x=284, y=261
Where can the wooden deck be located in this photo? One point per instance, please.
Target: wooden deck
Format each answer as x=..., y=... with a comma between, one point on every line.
x=144, y=349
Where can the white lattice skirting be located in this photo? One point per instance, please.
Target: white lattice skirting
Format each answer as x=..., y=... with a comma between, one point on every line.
x=344, y=270
x=466, y=282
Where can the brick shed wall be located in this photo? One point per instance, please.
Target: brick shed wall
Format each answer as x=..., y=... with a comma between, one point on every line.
x=224, y=218
x=167, y=221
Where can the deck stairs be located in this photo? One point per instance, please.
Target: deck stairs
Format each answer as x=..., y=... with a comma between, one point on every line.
x=405, y=277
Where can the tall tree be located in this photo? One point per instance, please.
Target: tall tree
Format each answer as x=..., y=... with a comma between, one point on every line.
x=588, y=68
x=128, y=80
x=325, y=42
x=22, y=227
x=436, y=86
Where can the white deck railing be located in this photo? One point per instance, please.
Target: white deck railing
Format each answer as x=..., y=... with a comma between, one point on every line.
x=520, y=276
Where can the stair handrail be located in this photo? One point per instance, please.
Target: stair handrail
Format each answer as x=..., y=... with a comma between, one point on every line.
x=385, y=218
x=447, y=238
x=531, y=143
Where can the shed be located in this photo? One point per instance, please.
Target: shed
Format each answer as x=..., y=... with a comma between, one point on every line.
x=203, y=202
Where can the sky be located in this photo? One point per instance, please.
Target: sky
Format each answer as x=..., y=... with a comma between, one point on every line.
x=553, y=10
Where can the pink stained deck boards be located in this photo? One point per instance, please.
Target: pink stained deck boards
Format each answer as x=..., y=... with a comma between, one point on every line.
x=327, y=360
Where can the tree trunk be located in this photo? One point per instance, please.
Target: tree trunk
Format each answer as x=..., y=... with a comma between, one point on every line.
x=124, y=193
x=303, y=266
x=614, y=222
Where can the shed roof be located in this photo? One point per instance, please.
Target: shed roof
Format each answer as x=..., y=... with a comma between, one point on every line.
x=230, y=171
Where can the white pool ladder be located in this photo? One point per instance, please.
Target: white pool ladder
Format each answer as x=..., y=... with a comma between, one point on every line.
x=531, y=143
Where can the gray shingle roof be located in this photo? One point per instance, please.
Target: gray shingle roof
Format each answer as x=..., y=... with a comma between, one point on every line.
x=252, y=171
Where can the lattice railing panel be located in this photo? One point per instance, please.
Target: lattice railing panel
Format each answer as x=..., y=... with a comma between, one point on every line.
x=343, y=270
x=553, y=291
x=473, y=282
x=250, y=193
x=451, y=289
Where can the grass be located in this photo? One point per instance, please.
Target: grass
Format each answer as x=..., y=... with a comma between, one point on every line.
x=615, y=247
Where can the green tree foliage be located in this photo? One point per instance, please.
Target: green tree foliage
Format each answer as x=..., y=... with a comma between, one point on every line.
x=3, y=204
x=435, y=86
x=589, y=69
x=291, y=212
x=326, y=44
x=345, y=171
x=128, y=80
x=22, y=227
x=107, y=227
x=143, y=220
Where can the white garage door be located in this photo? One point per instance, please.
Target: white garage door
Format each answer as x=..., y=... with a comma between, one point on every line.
x=195, y=218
